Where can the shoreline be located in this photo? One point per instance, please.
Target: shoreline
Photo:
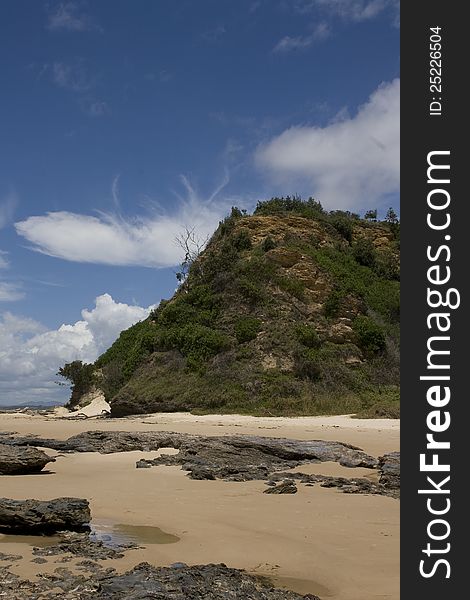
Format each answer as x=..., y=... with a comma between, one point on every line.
x=319, y=540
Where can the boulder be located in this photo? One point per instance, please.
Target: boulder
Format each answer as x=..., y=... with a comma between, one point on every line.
x=44, y=516
x=15, y=460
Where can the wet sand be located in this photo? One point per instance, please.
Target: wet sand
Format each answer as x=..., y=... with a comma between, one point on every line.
x=340, y=546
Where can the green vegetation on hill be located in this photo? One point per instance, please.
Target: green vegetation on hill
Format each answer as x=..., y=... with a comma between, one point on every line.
x=291, y=310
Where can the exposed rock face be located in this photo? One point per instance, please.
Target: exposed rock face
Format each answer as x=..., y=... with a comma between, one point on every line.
x=177, y=582
x=21, y=461
x=44, y=516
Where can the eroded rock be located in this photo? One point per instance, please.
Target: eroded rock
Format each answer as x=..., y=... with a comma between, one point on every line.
x=44, y=516
x=16, y=460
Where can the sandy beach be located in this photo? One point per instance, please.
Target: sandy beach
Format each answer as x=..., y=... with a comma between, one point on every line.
x=320, y=541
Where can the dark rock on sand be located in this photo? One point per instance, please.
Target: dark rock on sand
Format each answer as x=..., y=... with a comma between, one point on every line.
x=22, y=460
x=353, y=485
x=285, y=487
x=10, y=557
x=389, y=467
x=204, y=582
x=237, y=458
x=240, y=453
x=44, y=516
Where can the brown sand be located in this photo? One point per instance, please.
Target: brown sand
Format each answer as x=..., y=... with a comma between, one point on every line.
x=319, y=540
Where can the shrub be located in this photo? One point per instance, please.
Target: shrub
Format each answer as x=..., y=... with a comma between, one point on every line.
x=332, y=303
x=364, y=252
x=307, y=336
x=242, y=240
x=134, y=342
x=218, y=263
x=246, y=329
x=279, y=205
x=80, y=376
x=371, y=215
x=342, y=224
x=380, y=295
x=226, y=226
x=307, y=365
x=197, y=343
x=370, y=335
x=290, y=204
x=384, y=297
x=387, y=265
x=156, y=312
x=292, y=286
x=250, y=291
x=268, y=244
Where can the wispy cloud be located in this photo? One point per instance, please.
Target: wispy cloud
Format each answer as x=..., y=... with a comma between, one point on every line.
x=254, y=6
x=95, y=108
x=214, y=34
x=301, y=42
x=4, y=262
x=7, y=208
x=68, y=16
x=72, y=76
x=348, y=10
x=75, y=76
x=351, y=163
x=112, y=239
x=115, y=192
x=10, y=292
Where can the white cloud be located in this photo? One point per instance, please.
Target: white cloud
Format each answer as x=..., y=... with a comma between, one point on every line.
x=287, y=44
x=350, y=163
x=67, y=17
x=30, y=356
x=112, y=239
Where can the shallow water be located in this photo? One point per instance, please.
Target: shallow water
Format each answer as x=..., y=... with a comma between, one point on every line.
x=120, y=533
x=39, y=541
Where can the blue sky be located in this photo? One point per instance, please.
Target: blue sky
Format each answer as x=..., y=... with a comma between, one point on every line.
x=122, y=122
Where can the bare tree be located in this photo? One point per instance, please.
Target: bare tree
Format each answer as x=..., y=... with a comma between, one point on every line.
x=192, y=245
